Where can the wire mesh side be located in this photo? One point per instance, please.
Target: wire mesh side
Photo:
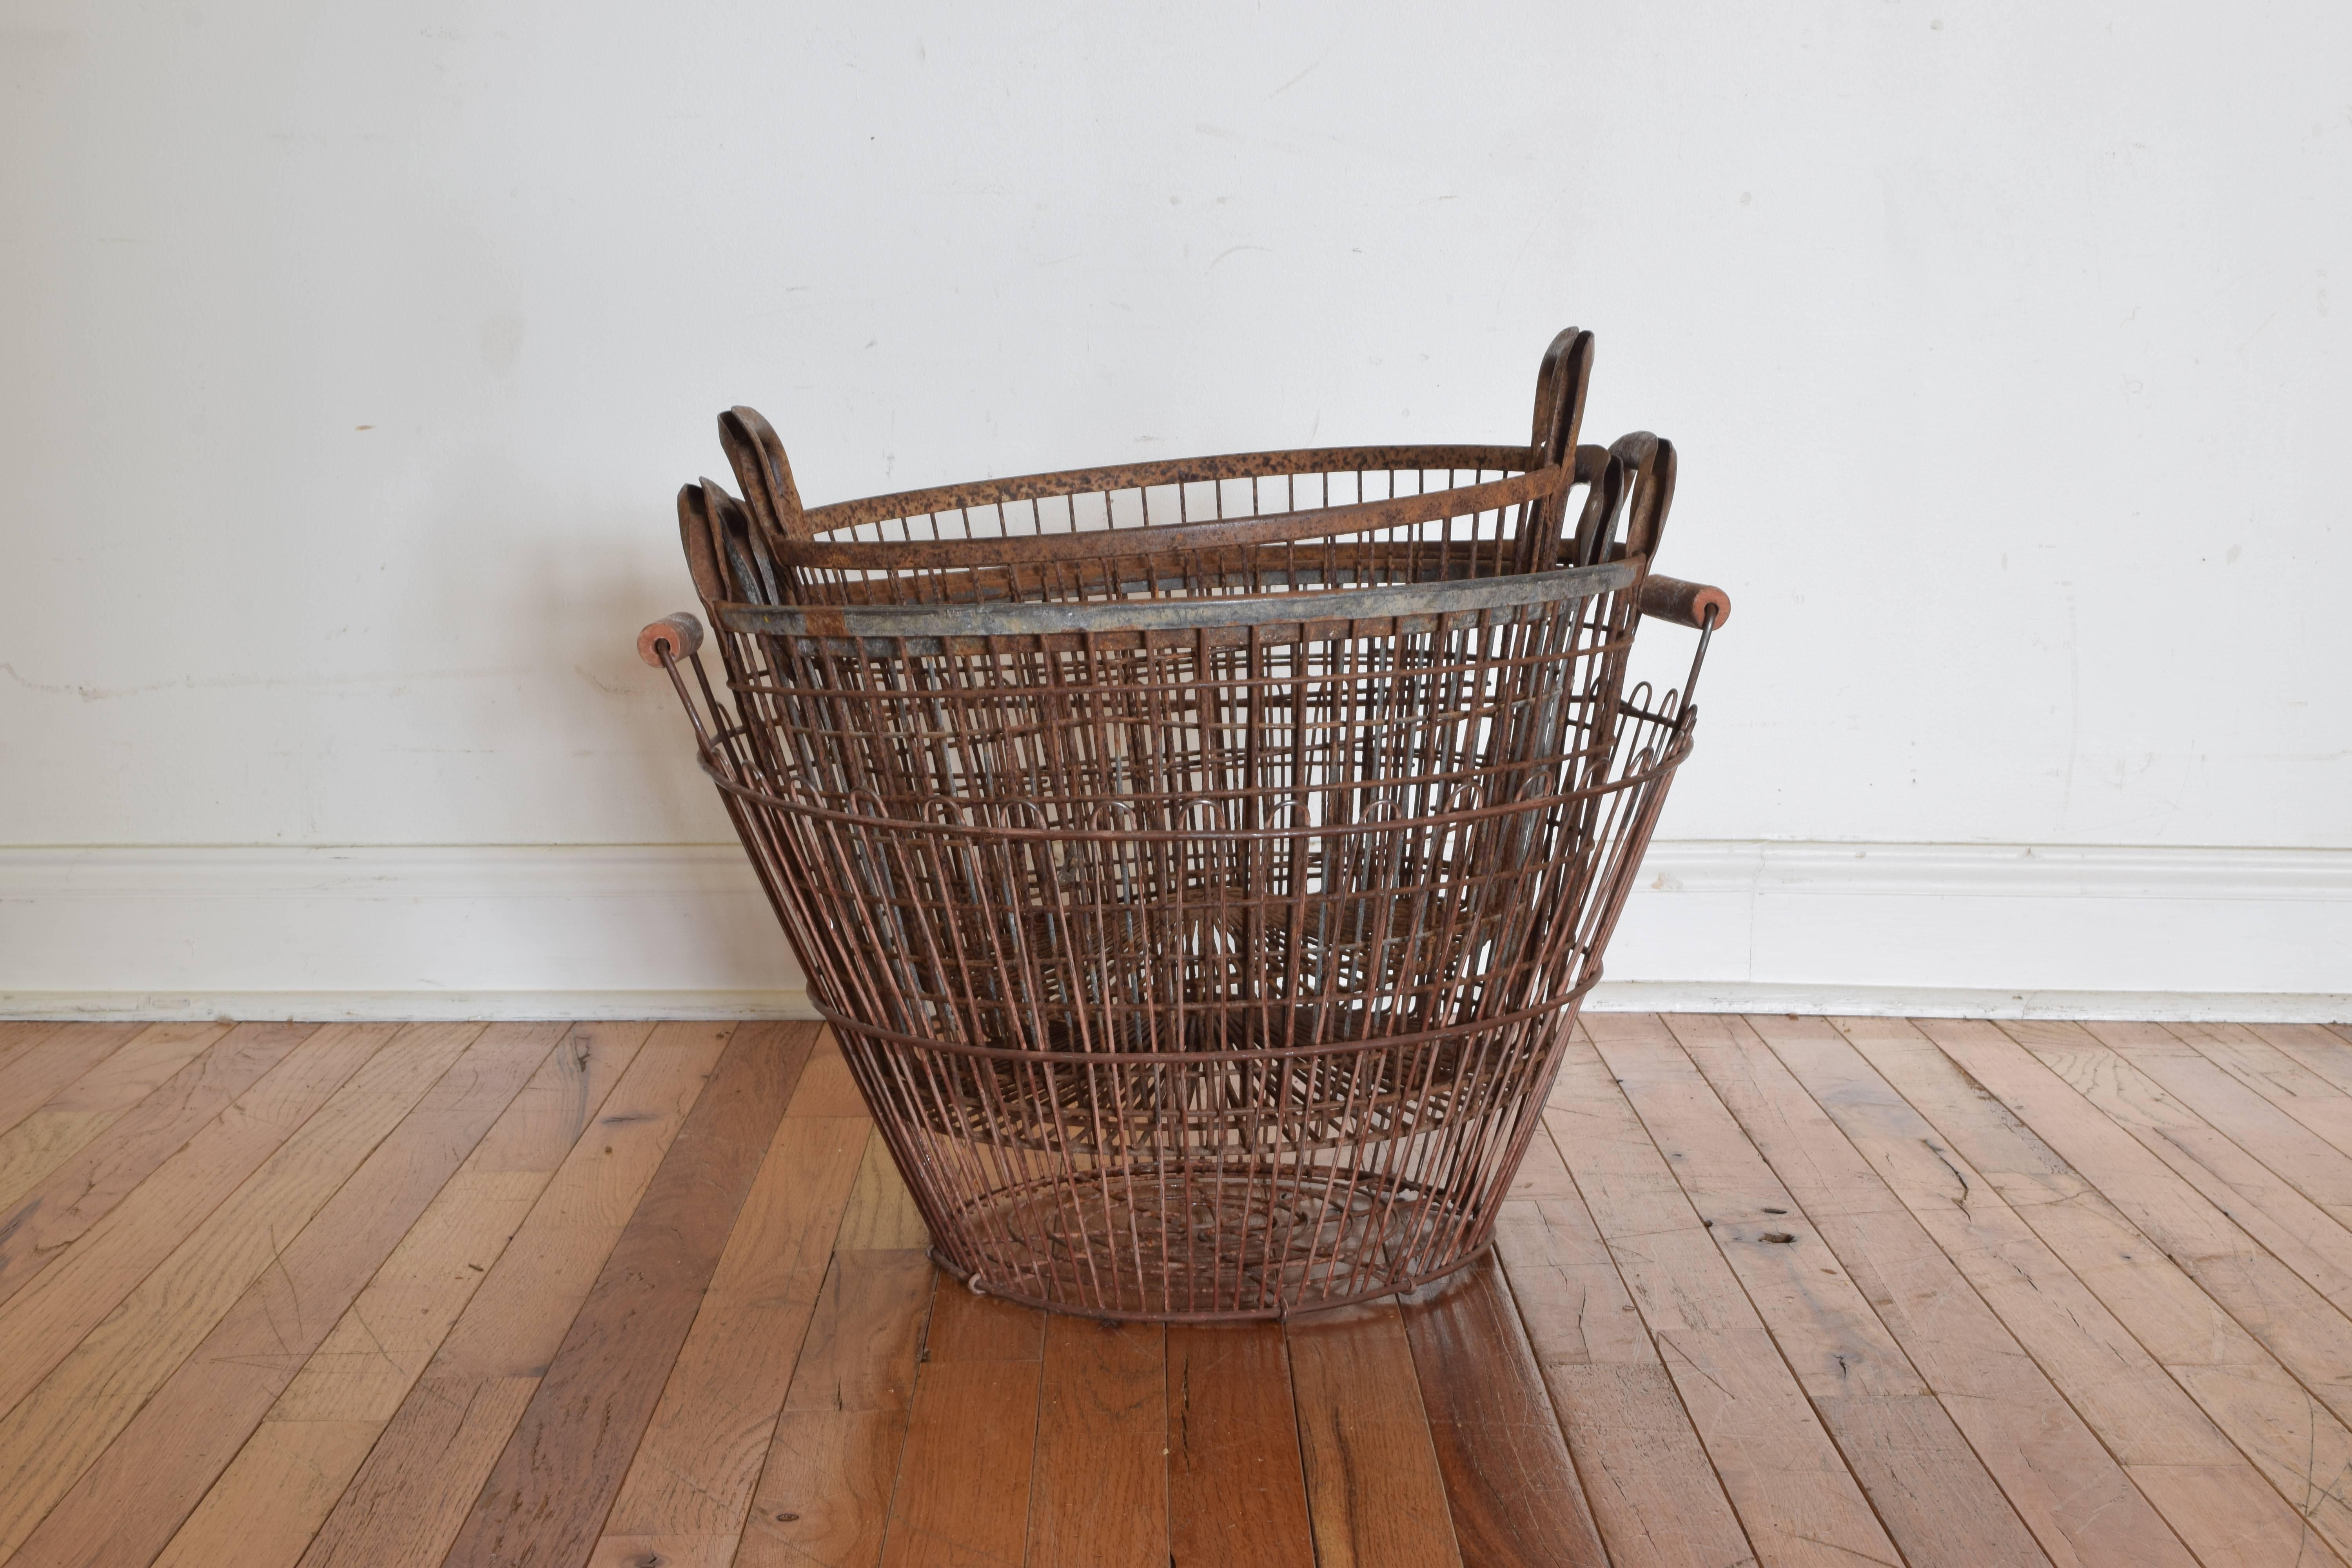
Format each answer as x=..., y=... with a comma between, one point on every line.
x=1201, y=981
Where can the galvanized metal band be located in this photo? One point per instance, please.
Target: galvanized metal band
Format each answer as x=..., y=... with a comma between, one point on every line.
x=1414, y=602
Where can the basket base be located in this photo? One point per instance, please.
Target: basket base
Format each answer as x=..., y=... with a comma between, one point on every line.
x=1200, y=1245
x=1265, y=1314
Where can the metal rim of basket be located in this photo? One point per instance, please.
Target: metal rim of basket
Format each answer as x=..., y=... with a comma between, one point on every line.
x=1419, y=606
x=1518, y=465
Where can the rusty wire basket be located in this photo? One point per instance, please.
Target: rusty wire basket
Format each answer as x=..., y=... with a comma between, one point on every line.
x=1200, y=919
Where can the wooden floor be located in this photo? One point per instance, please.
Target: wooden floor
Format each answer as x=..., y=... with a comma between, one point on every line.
x=1776, y=1289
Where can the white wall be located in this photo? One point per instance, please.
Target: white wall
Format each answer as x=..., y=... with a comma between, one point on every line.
x=353, y=354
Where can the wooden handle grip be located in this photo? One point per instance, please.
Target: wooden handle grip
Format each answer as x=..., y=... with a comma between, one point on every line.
x=681, y=631
x=1685, y=604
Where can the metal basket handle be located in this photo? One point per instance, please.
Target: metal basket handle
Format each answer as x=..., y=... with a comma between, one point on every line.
x=757, y=455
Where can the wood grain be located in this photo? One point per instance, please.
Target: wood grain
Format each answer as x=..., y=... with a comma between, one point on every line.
x=2082, y=1506
x=1929, y=1488
x=962, y=1491
x=302, y=1298
x=410, y=1497
x=2306, y=1096
x=127, y=1504
x=1794, y=1492
x=695, y=1472
x=2259, y=1294
x=2319, y=1049
x=547, y=1499
x=881, y=1217
x=825, y=1496
x=1099, y=1494
x=2144, y=1080
x=1374, y=1491
x=264, y=1510
x=48, y=1216
x=86, y=1106
x=966, y=1326
x=61, y=1427
x=961, y=1500
x=69, y=1270
x=55, y=1059
x=17, y=1035
x=2185, y=1432
x=1236, y=1486
x=1510, y=1487
x=1645, y=1475
x=84, y=1238
x=267, y=1506
x=826, y=1088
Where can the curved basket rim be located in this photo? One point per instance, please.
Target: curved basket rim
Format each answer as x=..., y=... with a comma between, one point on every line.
x=1239, y=612
x=1271, y=529
x=1156, y=472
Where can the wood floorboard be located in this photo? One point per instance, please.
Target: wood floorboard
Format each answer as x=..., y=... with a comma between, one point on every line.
x=1510, y=1486
x=2317, y=1046
x=2258, y=1165
x=1776, y=1291
x=1930, y=1490
x=824, y=1496
x=1236, y=1490
x=264, y=1510
x=690, y=1483
x=1099, y=1491
x=2305, y=1096
x=403, y=1507
x=132, y=1500
x=17, y=1034
x=1374, y=1491
x=1794, y=1493
x=52, y=1062
x=92, y=1177
x=2306, y=1333
x=548, y=1496
x=2080, y=1504
x=82, y=1241
x=62, y=1427
x=78, y=1113
x=2153, y=1311
x=1657, y=1501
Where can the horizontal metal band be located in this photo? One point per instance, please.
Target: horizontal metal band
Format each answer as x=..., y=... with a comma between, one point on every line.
x=888, y=624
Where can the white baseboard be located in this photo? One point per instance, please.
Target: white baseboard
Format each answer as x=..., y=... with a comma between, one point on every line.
x=680, y=931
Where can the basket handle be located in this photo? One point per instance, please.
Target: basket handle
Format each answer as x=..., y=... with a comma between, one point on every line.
x=1604, y=477
x=757, y=455
x=1560, y=382
x=678, y=636
x=1650, y=468
x=1698, y=606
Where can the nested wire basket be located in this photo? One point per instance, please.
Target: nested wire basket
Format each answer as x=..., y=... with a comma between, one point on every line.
x=1200, y=902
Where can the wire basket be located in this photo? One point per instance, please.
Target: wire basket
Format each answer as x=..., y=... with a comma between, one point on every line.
x=1201, y=863
x=1201, y=958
